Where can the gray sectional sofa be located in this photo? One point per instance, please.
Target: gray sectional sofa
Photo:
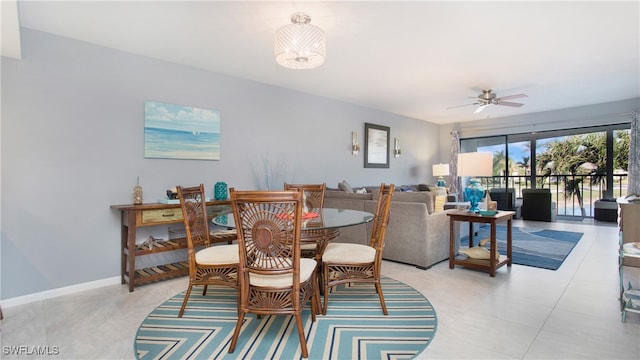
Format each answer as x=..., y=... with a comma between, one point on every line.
x=416, y=234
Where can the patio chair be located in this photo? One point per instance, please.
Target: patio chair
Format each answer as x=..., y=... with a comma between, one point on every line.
x=506, y=199
x=537, y=205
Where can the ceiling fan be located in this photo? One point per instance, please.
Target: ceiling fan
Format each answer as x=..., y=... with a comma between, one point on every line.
x=488, y=97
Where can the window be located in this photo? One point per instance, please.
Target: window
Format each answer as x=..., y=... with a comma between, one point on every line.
x=580, y=166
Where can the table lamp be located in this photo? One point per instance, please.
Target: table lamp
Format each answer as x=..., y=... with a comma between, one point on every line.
x=475, y=164
x=440, y=170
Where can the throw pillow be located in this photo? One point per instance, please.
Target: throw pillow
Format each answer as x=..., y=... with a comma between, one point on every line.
x=345, y=186
x=361, y=191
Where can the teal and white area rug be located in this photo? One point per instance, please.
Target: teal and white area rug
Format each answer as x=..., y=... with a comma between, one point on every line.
x=354, y=327
x=546, y=249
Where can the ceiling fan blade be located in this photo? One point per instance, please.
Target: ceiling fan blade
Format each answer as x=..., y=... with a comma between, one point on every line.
x=453, y=107
x=508, y=97
x=508, y=103
x=480, y=108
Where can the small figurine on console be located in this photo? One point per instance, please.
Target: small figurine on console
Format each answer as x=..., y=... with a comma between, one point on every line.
x=172, y=194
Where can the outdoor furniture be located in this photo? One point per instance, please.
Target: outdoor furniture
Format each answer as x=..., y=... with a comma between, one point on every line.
x=213, y=265
x=537, y=205
x=606, y=210
x=506, y=199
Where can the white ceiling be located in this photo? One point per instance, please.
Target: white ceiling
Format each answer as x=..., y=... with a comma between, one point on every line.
x=412, y=58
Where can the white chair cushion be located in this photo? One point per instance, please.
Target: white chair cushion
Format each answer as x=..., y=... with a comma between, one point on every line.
x=218, y=255
x=306, y=269
x=308, y=246
x=348, y=253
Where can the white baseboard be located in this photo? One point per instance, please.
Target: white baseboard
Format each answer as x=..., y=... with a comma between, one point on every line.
x=21, y=300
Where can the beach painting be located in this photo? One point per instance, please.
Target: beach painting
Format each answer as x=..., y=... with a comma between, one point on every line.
x=181, y=132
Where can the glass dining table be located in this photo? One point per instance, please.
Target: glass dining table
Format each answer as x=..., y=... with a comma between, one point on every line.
x=329, y=218
x=318, y=227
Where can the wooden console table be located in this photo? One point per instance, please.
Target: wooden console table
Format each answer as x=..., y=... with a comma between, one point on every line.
x=492, y=264
x=135, y=216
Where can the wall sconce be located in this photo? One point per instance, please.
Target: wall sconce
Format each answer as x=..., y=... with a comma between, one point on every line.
x=355, y=148
x=396, y=148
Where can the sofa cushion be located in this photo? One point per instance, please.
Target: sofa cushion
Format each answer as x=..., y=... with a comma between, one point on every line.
x=433, y=188
x=345, y=186
x=423, y=187
x=346, y=195
x=426, y=197
x=371, y=189
x=408, y=188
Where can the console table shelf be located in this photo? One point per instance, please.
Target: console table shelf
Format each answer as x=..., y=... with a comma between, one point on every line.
x=160, y=272
x=136, y=216
x=160, y=246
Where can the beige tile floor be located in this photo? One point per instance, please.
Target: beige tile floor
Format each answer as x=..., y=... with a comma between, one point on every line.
x=522, y=313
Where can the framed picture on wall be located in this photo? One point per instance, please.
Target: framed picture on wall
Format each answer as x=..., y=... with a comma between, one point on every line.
x=376, y=146
x=181, y=132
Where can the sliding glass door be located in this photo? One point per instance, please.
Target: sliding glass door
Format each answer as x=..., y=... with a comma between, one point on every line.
x=579, y=166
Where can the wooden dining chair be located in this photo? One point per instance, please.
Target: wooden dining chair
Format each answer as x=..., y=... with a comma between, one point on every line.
x=313, y=194
x=273, y=278
x=357, y=263
x=313, y=240
x=211, y=265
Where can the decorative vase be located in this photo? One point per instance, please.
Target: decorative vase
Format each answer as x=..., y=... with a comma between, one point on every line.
x=220, y=191
x=474, y=193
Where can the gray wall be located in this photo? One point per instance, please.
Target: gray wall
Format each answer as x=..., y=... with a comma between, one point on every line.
x=72, y=145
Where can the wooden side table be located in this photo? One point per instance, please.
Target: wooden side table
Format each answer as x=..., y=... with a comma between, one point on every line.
x=492, y=264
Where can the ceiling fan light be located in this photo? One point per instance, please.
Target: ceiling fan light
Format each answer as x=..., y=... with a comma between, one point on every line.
x=300, y=45
x=480, y=108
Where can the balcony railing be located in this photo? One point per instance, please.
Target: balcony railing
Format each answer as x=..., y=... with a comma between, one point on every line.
x=566, y=205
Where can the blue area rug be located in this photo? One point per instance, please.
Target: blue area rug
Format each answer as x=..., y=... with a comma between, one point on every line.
x=354, y=327
x=545, y=249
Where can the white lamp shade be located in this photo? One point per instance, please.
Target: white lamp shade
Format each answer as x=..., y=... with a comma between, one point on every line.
x=475, y=164
x=300, y=45
x=440, y=169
